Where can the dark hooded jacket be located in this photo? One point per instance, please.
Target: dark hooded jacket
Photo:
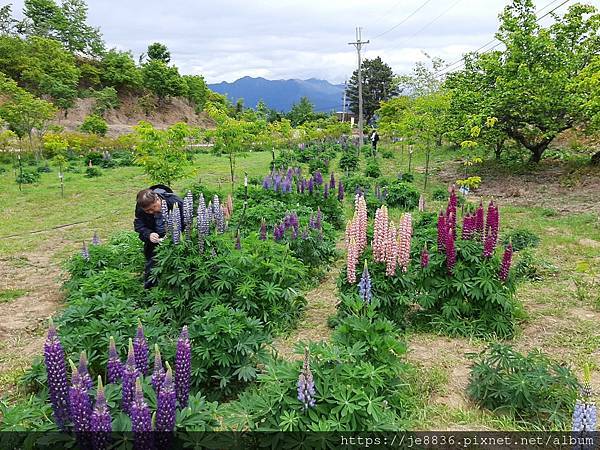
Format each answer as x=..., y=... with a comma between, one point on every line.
x=144, y=224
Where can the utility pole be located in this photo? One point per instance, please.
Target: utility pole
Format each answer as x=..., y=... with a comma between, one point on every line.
x=358, y=44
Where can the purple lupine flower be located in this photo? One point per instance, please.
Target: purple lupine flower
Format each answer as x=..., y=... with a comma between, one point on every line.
x=318, y=176
x=56, y=369
x=303, y=186
x=506, y=260
x=164, y=211
x=166, y=404
x=340, y=191
x=130, y=374
x=100, y=420
x=203, y=222
x=238, y=241
x=177, y=226
x=267, y=181
x=218, y=215
x=84, y=373
x=158, y=374
x=325, y=192
x=312, y=223
x=169, y=222
x=305, y=234
x=140, y=349
x=79, y=402
x=364, y=286
x=141, y=419
x=95, y=239
x=450, y=251
x=306, y=384
x=442, y=232
x=278, y=231
x=311, y=186
x=263, y=230
x=424, y=257
x=183, y=366
x=585, y=417
x=114, y=367
x=188, y=213
x=479, y=214
x=332, y=182
x=319, y=221
x=85, y=253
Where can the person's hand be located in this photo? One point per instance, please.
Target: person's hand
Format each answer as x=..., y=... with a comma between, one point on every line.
x=154, y=238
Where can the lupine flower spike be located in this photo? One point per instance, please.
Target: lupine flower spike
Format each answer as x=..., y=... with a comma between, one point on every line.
x=56, y=369
x=442, y=232
x=506, y=261
x=158, y=374
x=100, y=420
x=130, y=374
x=421, y=203
x=238, y=242
x=424, y=257
x=177, y=226
x=80, y=402
x=166, y=404
x=95, y=239
x=340, y=191
x=183, y=360
x=263, y=230
x=404, y=235
x=585, y=415
x=85, y=253
x=364, y=285
x=84, y=373
x=450, y=251
x=114, y=367
x=141, y=419
x=140, y=347
x=306, y=384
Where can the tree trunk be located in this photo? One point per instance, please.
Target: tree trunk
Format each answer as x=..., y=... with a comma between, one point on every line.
x=537, y=152
x=595, y=161
x=231, y=164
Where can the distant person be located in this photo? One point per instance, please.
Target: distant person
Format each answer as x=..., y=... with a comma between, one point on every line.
x=149, y=222
x=374, y=139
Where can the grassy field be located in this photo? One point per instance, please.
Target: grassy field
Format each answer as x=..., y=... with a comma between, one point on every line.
x=40, y=229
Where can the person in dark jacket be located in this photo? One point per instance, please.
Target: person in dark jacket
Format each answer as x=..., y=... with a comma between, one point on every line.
x=149, y=223
x=374, y=140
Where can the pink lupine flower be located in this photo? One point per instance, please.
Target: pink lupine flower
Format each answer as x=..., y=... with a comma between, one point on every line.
x=404, y=235
x=421, y=203
x=380, y=229
x=361, y=213
x=391, y=251
x=352, y=261
x=424, y=257
x=442, y=232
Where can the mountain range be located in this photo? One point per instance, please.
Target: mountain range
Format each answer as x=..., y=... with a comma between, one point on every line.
x=282, y=94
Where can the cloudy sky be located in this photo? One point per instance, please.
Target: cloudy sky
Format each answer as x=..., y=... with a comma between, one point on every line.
x=229, y=39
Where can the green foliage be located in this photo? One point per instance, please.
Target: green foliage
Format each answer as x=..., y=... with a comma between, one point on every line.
x=93, y=172
x=94, y=124
x=521, y=238
x=119, y=70
x=533, y=388
x=439, y=194
x=106, y=99
x=354, y=182
x=226, y=346
x=158, y=52
x=162, y=80
x=533, y=268
x=301, y=112
x=349, y=160
x=402, y=195
x=196, y=90
x=372, y=169
x=28, y=177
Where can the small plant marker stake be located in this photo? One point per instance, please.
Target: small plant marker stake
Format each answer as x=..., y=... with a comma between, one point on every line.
x=410, y=152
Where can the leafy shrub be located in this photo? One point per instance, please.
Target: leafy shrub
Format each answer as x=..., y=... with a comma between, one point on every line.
x=28, y=177
x=353, y=183
x=226, y=346
x=123, y=158
x=44, y=169
x=349, y=160
x=402, y=195
x=372, y=169
x=285, y=159
x=521, y=238
x=387, y=154
x=73, y=168
x=533, y=388
x=531, y=267
x=106, y=99
x=407, y=177
x=108, y=163
x=94, y=157
x=439, y=194
x=360, y=384
x=94, y=124
x=93, y=172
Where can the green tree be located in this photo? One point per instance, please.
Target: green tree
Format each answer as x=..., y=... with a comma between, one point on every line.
x=162, y=153
x=378, y=85
x=162, y=80
x=94, y=124
x=119, y=70
x=525, y=86
x=66, y=23
x=8, y=25
x=262, y=111
x=301, y=112
x=158, y=52
x=196, y=90
x=106, y=99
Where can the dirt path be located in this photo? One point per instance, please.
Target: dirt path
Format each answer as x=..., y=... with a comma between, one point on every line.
x=321, y=303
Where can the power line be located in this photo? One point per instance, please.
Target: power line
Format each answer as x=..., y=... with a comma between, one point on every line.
x=405, y=19
x=448, y=68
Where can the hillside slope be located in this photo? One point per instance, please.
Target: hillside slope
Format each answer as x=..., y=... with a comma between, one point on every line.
x=130, y=113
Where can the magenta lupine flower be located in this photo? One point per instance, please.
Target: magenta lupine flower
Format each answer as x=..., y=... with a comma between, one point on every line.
x=158, y=374
x=306, y=384
x=442, y=232
x=238, y=241
x=183, y=366
x=318, y=178
x=325, y=192
x=468, y=228
x=130, y=374
x=84, y=373
x=140, y=348
x=479, y=225
x=95, y=239
x=424, y=257
x=166, y=404
x=141, y=419
x=491, y=230
x=506, y=261
x=80, y=402
x=450, y=252
x=56, y=370
x=85, y=253
x=332, y=181
x=263, y=230
x=114, y=367
x=364, y=285
x=340, y=191
x=100, y=420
